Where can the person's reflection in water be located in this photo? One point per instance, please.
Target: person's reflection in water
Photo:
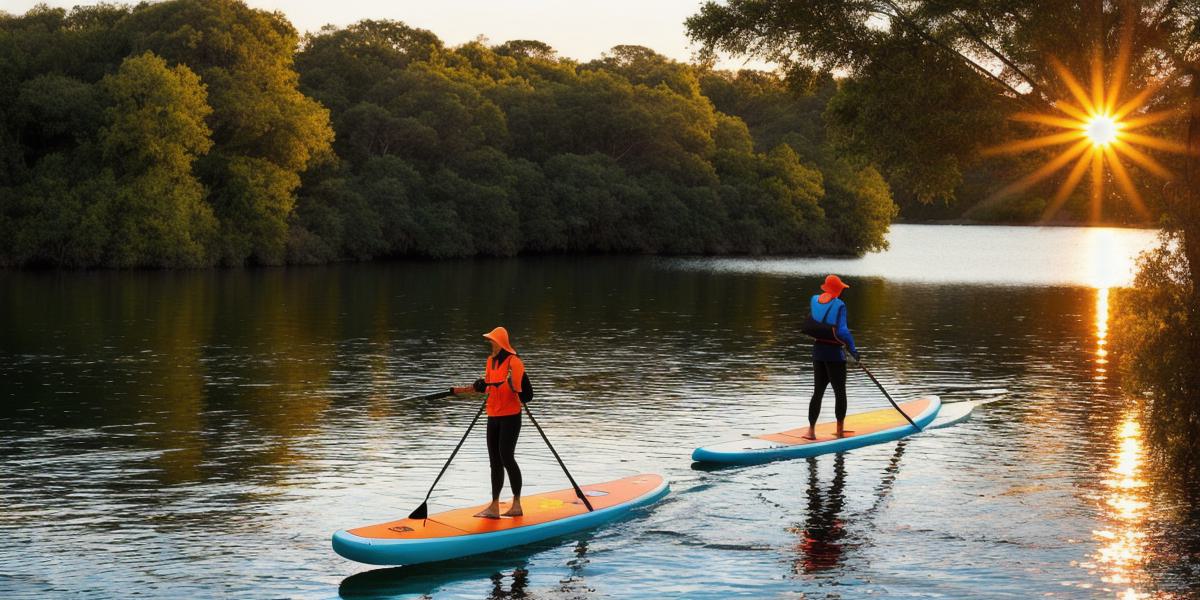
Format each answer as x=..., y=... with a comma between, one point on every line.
x=821, y=535
x=520, y=579
x=574, y=583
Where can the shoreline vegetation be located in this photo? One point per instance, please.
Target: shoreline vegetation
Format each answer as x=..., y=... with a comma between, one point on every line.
x=195, y=134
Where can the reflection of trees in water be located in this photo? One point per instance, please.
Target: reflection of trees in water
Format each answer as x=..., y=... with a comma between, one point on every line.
x=1156, y=343
x=245, y=364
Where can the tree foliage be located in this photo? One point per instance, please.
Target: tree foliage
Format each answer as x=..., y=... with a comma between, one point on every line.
x=202, y=132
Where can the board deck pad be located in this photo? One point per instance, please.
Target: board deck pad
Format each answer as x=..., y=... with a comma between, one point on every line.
x=539, y=508
x=860, y=424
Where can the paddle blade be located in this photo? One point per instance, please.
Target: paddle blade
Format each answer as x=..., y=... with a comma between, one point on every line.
x=422, y=512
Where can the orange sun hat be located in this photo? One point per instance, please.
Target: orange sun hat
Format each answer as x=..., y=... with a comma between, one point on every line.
x=832, y=287
x=500, y=336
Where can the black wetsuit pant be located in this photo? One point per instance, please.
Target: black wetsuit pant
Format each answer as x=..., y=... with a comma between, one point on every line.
x=827, y=372
x=502, y=433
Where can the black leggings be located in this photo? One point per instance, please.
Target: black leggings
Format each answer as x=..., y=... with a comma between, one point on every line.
x=826, y=372
x=502, y=435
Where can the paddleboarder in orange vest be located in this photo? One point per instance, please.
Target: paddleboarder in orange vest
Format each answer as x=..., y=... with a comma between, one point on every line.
x=502, y=381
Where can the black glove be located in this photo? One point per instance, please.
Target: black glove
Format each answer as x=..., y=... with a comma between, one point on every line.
x=480, y=385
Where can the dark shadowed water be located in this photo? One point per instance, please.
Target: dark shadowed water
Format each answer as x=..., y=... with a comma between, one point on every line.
x=202, y=434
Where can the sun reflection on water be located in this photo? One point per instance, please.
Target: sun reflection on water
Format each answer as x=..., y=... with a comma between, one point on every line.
x=1122, y=551
x=1101, y=334
x=1110, y=263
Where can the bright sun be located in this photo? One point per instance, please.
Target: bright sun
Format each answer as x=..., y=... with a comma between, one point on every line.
x=1102, y=130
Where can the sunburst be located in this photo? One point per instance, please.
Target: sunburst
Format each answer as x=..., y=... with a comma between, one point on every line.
x=1100, y=129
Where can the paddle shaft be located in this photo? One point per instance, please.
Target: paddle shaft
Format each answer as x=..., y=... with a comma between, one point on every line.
x=429, y=396
x=422, y=511
x=578, y=492
x=886, y=394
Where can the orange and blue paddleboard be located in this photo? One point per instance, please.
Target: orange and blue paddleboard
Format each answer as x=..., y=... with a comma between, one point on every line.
x=874, y=427
x=458, y=533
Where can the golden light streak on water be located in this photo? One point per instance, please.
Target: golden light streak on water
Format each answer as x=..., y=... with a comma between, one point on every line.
x=1122, y=551
x=1101, y=333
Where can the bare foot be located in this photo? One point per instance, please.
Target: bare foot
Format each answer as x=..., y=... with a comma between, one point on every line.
x=515, y=510
x=811, y=435
x=491, y=512
x=845, y=432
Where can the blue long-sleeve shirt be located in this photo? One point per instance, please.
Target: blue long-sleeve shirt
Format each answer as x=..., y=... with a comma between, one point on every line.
x=832, y=313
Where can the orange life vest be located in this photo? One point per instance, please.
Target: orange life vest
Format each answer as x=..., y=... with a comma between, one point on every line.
x=503, y=385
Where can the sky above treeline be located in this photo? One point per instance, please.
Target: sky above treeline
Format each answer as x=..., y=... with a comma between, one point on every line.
x=579, y=29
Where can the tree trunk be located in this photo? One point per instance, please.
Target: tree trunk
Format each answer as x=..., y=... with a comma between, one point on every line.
x=1189, y=229
x=1188, y=208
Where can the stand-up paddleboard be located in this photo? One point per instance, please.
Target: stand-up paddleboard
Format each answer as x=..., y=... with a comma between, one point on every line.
x=874, y=427
x=457, y=533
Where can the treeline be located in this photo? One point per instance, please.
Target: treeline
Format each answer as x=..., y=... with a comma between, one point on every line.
x=203, y=132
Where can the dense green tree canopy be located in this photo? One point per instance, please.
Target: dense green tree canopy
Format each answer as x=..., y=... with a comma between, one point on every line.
x=201, y=132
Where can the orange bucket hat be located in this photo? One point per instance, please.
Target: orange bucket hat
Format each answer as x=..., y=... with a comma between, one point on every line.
x=500, y=336
x=833, y=287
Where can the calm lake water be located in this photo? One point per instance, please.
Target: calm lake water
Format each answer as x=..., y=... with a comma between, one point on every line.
x=202, y=434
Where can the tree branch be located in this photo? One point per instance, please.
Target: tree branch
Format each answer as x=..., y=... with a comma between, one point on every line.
x=1033, y=85
x=899, y=14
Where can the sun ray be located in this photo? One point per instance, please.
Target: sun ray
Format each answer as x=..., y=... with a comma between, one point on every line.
x=1068, y=186
x=1124, y=182
x=1138, y=100
x=1142, y=159
x=1098, y=100
x=1121, y=66
x=1072, y=110
x=1156, y=143
x=1053, y=139
x=1144, y=120
x=1073, y=85
x=1046, y=170
x=1055, y=121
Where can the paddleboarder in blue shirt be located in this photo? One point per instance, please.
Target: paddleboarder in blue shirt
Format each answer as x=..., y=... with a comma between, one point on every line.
x=829, y=363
